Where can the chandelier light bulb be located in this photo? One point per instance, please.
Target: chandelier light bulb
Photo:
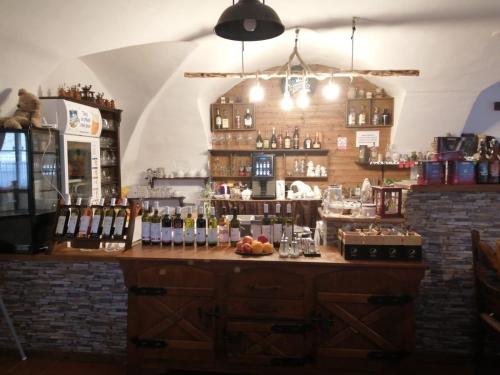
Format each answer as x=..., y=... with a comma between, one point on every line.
x=286, y=102
x=331, y=91
x=256, y=93
x=303, y=99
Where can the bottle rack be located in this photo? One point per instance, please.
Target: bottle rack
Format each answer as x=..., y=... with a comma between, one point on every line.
x=230, y=111
x=97, y=243
x=369, y=105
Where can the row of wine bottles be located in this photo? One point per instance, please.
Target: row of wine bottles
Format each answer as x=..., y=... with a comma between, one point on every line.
x=170, y=229
x=278, y=141
x=97, y=222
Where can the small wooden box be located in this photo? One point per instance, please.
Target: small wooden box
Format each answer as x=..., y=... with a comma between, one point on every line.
x=387, y=200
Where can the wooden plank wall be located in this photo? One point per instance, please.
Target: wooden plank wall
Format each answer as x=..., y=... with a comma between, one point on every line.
x=329, y=118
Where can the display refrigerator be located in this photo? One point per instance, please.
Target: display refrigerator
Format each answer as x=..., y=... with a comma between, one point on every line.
x=80, y=127
x=29, y=184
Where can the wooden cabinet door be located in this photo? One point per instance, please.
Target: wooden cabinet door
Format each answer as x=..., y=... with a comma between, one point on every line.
x=172, y=314
x=364, y=314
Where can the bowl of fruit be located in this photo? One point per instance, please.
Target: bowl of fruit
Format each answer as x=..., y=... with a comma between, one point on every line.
x=248, y=246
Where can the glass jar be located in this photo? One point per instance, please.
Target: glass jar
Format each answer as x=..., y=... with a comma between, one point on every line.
x=333, y=200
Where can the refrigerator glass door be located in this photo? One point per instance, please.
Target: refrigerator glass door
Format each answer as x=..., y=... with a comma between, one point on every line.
x=79, y=169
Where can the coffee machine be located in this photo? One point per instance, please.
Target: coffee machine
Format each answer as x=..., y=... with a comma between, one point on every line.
x=263, y=179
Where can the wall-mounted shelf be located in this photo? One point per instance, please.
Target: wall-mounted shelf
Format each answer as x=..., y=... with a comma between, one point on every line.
x=369, y=105
x=194, y=178
x=272, y=151
x=229, y=113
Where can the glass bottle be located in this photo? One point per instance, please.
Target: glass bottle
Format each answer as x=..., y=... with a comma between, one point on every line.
x=74, y=219
x=362, y=117
x=288, y=222
x=296, y=138
x=121, y=220
x=212, y=228
x=234, y=231
x=351, y=118
x=482, y=164
x=373, y=153
x=279, y=141
x=62, y=220
x=277, y=226
x=307, y=142
x=223, y=228
x=85, y=219
x=274, y=141
x=201, y=228
x=376, y=117
x=237, y=120
x=288, y=141
x=266, y=142
x=225, y=120
x=156, y=225
x=248, y=120
x=386, y=117
x=267, y=224
x=218, y=120
x=166, y=228
x=189, y=228
x=494, y=163
x=259, y=142
x=109, y=219
x=316, y=144
x=178, y=225
x=96, y=227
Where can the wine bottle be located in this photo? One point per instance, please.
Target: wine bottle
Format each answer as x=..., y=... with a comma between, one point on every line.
x=218, y=120
x=166, y=228
x=212, y=228
x=146, y=224
x=225, y=120
x=189, y=228
x=289, y=222
x=288, y=141
x=259, y=143
x=201, y=228
x=494, y=163
x=296, y=138
x=237, y=120
x=316, y=144
x=266, y=224
x=274, y=141
x=248, y=120
x=277, y=226
x=85, y=218
x=223, y=228
x=307, y=142
x=74, y=219
x=109, y=220
x=96, y=227
x=376, y=117
x=279, y=141
x=351, y=119
x=121, y=220
x=178, y=224
x=62, y=220
x=156, y=225
x=362, y=116
x=266, y=143
x=481, y=166
x=234, y=226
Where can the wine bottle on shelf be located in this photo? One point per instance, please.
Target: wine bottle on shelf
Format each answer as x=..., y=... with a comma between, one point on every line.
x=259, y=142
x=189, y=228
x=266, y=142
x=234, y=226
x=296, y=138
x=178, y=225
x=109, y=220
x=274, y=140
x=288, y=222
x=279, y=140
x=248, y=120
x=74, y=219
x=316, y=144
x=223, y=228
x=266, y=224
x=156, y=225
x=146, y=223
x=237, y=120
x=225, y=120
x=287, y=141
x=212, y=228
x=85, y=218
x=362, y=116
x=493, y=163
x=96, y=227
x=201, y=228
x=166, y=228
x=62, y=219
x=277, y=226
x=218, y=120
x=307, y=142
x=351, y=118
x=376, y=117
x=121, y=220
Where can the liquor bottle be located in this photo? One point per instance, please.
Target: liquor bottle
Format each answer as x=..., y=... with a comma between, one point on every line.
x=274, y=140
x=277, y=227
x=109, y=220
x=85, y=218
x=266, y=224
x=481, y=166
x=288, y=222
x=225, y=120
x=212, y=228
x=316, y=144
x=362, y=117
x=201, y=228
x=234, y=228
x=121, y=220
x=351, y=119
x=166, y=228
x=237, y=120
x=376, y=117
x=248, y=120
x=178, y=225
x=296, y=138
x=74, y=219
x=386, y=117
x=189, y=228
x=146, y=223
x=288, y=141
x=266, y=142
x=307, y=142
x=223, y=228
x=218, y=120
x=494, y=163
x=62, y=220
x=96, y=227
x=259, y=143
x=156, y=225
x=279, y=140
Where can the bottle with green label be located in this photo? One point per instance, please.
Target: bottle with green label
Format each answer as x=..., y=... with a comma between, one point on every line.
x=156, y=225
x=201, y=228
x=109, y=220
x=96, y=227
x=212, y=228
x=277, y=227
x=178, y=225
x=189, y=228
x=74, y=219
x=166, y=228
x=146, y=223
x=62, y=220
x=121, y=220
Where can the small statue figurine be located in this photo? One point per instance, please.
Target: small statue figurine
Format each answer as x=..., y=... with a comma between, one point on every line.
x=99, y=98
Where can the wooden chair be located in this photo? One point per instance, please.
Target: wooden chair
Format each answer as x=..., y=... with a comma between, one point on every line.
x=487, y=287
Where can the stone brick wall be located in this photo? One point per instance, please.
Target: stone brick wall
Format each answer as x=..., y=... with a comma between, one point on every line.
x=79, y=307
x=445, y=310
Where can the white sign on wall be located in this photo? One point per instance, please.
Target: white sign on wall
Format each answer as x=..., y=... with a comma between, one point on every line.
x=367, y=138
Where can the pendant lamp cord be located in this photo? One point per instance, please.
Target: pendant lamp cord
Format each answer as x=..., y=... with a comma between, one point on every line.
x=352, y=42
x=242, y=59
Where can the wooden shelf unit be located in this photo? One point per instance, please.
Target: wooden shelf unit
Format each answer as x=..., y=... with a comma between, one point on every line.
x=369, y=106
x=231, y=111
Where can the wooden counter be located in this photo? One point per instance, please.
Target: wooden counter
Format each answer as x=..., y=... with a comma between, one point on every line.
x=473, y=188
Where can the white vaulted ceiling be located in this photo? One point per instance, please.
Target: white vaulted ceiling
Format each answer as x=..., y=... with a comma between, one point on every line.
x=137, y=51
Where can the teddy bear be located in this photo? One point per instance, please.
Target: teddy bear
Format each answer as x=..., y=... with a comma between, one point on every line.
x=28, y=111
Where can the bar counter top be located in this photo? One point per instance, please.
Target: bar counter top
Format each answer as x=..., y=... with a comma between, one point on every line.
x=330, y=256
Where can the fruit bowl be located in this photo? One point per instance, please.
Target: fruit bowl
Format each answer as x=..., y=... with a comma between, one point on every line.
x=248, y=246
x=253, y=254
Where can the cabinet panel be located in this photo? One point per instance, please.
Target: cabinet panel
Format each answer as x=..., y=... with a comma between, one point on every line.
x=182, y=278
x=263, y=307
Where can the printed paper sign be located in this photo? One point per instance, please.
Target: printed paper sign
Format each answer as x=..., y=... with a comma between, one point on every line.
x=342, y=143
x=367, y=138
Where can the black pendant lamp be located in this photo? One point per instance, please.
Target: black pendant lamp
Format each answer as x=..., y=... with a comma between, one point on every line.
x=249, y=20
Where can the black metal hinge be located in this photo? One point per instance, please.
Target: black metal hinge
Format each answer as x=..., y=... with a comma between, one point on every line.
x=390, y=300
x=147, y=291
x=148, y=343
